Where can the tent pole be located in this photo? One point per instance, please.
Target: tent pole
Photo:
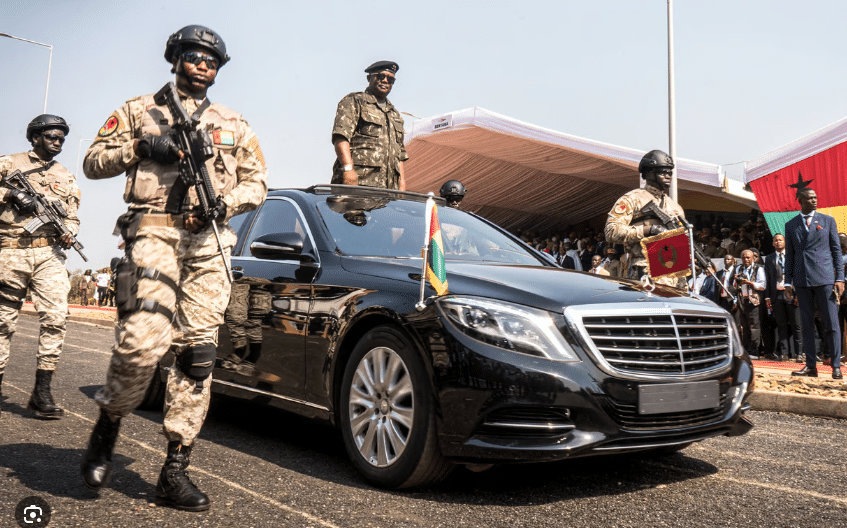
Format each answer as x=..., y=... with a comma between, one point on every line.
x=671, y=104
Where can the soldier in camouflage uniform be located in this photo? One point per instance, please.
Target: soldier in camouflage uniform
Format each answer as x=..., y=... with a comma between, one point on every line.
x=627, y=225
x=249, y=303
x=368, y=134
x=173, y=260
x=35, y=261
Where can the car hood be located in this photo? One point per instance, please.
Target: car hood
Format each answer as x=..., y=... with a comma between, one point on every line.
x=546, y=288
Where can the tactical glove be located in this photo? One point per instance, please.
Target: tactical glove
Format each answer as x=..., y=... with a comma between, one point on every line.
x=656, y=229
x=22, y=202
x=162, y=149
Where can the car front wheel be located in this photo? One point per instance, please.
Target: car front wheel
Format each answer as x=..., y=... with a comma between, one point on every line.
x=387, y=413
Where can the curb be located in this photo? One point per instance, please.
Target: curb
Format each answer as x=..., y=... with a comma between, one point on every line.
x=77, y=319
x=798, y=404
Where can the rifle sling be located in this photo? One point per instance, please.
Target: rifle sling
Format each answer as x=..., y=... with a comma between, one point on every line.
x=39, y=169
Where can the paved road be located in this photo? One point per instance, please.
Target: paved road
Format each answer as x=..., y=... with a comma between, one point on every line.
x=267, y=468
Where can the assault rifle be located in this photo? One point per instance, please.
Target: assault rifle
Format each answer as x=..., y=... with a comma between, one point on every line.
x=673, y=222
x=196, y=146
x=49, y=212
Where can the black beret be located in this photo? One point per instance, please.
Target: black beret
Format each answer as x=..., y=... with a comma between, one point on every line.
x=382, y=66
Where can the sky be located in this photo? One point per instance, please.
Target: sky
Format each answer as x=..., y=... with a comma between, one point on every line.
x=750, y=76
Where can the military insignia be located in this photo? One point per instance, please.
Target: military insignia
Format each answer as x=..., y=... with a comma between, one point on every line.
x=667, y=256
x=253, y=146
x=109, y=127
x=621, y=208
x=58, y=189
x=223, y=137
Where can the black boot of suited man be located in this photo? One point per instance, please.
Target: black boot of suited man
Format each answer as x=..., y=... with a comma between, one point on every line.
x=97, y=461
x=175, y=489
x=41, y=400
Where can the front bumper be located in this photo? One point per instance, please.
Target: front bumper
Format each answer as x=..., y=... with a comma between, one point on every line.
x=497, y=406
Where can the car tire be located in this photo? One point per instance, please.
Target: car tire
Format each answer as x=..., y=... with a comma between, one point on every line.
x=154, y=396
x=388, y=425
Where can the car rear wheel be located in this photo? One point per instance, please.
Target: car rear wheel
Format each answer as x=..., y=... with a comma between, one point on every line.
x=387, y=413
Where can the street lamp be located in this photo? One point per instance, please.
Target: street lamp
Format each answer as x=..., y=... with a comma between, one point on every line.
x=49, y=63
x=78, y=152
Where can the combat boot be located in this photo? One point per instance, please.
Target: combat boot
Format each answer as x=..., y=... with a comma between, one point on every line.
x=97, y=461
x=41, y=400
x=175, y=489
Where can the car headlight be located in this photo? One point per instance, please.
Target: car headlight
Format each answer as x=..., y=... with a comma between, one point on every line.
x=508, y=326
x=735, y=337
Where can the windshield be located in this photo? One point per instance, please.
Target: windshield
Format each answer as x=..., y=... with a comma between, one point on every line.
x=384, y=227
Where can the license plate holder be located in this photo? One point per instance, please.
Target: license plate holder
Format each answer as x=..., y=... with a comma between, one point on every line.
x=678, y=397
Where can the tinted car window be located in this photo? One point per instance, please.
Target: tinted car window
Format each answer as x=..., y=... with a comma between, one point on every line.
x=395, y=228
x=276, y=216
x=240, y=223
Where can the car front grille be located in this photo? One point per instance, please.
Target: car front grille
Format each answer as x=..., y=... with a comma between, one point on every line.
x=659, y=344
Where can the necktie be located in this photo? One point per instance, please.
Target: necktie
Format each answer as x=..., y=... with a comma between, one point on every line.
x=781, y=261
x=808, y=220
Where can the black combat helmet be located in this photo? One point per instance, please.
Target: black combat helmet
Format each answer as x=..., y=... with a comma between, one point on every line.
x=452, y=188
x=655, y=159
x=44, y=122
x=196, y=36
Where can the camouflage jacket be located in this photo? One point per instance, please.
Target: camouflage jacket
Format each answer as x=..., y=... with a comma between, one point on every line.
x=55, y=183
x=237, y=169
x=627, y=225
x=376, y=140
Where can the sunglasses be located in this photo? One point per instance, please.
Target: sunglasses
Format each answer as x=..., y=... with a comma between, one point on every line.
x=195, y=57
x=53, y=138
x=384, y=77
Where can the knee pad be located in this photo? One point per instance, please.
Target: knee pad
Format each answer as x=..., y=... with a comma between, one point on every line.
x=198, y=362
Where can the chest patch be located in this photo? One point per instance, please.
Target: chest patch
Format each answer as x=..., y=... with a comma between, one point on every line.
x=109, y=127
x=59, y=189
x=223, y=137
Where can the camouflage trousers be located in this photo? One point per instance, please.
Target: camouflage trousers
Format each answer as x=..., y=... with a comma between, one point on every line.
x=142, y=338
x=244, y=314
x=41, y=271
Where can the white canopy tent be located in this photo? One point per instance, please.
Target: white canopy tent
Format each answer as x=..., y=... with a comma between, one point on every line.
x=523, y=176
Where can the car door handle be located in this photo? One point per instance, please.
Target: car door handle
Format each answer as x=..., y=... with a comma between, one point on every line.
x=237, y=272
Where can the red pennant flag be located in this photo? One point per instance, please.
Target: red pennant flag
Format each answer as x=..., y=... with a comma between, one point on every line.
x=668, y=254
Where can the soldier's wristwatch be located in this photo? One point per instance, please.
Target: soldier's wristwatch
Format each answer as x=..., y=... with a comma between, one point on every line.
x=347, y=168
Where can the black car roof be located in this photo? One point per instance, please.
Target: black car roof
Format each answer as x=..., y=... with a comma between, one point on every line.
x=319, y=192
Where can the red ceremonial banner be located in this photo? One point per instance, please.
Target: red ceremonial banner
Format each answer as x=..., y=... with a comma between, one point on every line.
x=668, y=254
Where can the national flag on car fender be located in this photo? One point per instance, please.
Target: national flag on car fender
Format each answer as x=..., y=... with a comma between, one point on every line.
x=668, y=254
x=436, y=273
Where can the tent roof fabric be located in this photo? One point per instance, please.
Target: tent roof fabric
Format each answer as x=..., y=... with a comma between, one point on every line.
x=795, y=151
x=523, y=176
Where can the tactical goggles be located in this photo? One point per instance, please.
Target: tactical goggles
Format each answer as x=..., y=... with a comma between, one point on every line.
x=53, y=138
x=195, y=58
x=384, y=77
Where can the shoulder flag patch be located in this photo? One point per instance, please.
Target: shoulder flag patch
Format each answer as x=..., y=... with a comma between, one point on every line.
x=223, y=137
x=109, y=127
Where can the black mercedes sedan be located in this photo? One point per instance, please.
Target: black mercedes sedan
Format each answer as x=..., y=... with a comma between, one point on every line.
x=520, y=361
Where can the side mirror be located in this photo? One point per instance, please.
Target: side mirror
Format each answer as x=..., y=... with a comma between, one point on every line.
x=278, y=246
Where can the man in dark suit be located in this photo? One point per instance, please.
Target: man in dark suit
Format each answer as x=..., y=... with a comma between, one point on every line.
x=785, y=312
x=710, y=287
x=812, y=266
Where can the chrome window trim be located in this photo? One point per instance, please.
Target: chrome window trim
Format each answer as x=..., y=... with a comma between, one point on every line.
x=305, y=225
x=574, y=316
